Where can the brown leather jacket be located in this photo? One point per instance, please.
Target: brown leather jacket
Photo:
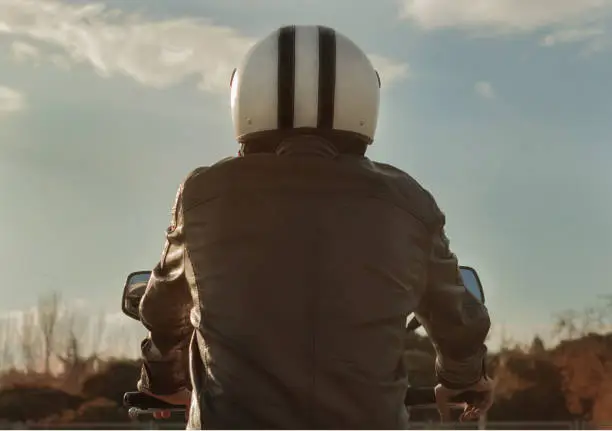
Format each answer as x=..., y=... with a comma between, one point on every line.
x=298, y=271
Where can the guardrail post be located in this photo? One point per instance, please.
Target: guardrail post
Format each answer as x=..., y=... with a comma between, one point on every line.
x=482, y=422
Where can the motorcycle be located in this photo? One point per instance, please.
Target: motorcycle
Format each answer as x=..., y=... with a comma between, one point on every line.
x=139, y=403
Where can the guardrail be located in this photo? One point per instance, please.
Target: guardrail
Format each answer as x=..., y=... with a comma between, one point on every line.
x=163, y=425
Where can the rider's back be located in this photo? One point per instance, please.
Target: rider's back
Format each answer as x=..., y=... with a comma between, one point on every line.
x=304, y=270
x=301, y=261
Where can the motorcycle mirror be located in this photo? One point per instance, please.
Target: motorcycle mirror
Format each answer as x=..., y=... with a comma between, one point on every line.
x=133, y=291
x=472, y=283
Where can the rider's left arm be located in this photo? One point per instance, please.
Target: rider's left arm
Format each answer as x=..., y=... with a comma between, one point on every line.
x=164, y=311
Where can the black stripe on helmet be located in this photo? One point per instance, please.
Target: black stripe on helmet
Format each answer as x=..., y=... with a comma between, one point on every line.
x=327, y=77
x=286, y=77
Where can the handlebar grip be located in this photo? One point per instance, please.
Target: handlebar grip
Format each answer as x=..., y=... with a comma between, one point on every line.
x=146, y=402
x=426, y=395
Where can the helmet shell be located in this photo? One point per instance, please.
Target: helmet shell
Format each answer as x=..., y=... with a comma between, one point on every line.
x=305, y=77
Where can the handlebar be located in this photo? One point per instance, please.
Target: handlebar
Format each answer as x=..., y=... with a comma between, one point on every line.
x=141, y=403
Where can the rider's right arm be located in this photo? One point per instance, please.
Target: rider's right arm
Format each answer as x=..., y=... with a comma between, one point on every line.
x=456, y=322
x=164, y=311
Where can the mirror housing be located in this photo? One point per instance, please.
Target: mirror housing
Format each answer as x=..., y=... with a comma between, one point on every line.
x=472, y=283
x=133, y=291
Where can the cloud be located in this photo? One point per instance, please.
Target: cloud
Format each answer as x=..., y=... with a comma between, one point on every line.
x=503, y=15
x=157, y=53
x=154, y=53
x=571, y=35
x=565, y=20
x=60, y=61
x=390, y=71
x=596, y=36
x=11, y=100
x=22, y=51
x=485, y=90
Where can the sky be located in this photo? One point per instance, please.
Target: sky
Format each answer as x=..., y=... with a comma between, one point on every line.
x=499, y=108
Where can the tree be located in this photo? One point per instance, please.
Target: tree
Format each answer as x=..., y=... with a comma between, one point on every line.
x=607, y=312
x=97, y=331
x=566, y=325
x=528, y=388
x=29, y=341
x=585, y=365
x=48, y=315
x=592, y=319
x=507, y=343
x=537, y=346
x=7, y=357
x=77, y=359
x=572, y=324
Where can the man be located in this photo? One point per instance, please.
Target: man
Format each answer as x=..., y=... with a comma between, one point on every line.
x=289, y=272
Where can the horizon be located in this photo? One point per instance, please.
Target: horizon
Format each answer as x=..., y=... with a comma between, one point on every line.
x=501, y=112
x=120, y=337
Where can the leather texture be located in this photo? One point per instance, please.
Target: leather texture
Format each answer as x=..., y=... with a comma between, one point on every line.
x=297, y=271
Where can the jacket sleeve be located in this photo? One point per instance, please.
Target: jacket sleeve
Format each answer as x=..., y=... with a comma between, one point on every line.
x=456, y=322
x=164, y=311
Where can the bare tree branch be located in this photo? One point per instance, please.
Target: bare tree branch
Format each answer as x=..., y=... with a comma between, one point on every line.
x=29, y=340
x=566, y=324
x=7, y=354
x=72, y=329
x=97, y=331
x=48, y=316
x=81, y=337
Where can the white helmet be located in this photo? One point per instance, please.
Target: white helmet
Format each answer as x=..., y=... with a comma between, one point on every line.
x=305, y=77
